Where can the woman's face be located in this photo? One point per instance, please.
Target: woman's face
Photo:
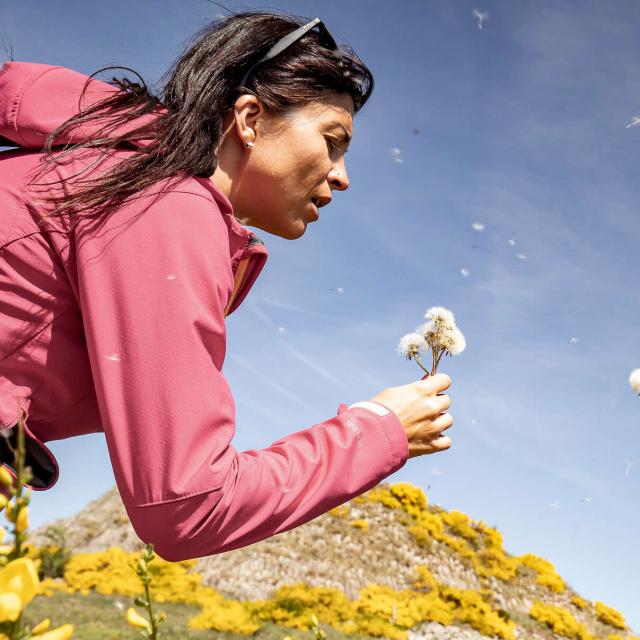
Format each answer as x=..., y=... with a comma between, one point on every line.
x=296, y=159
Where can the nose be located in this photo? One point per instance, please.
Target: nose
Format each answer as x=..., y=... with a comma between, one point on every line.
x=337, y=177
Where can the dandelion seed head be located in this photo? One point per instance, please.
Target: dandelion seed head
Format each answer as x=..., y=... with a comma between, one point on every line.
x=440, y=316
x=410, y=345
x=634, y=381
x=458, y=342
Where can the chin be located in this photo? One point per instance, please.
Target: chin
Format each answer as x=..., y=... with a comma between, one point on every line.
x=292, y=232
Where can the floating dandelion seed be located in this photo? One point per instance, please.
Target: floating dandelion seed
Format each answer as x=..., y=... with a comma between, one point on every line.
x=511, y=242
x=436, y=472
x=585, y=499
x=634, y=121
x=478, y=226
x=573, y=340
x=114, y=357
x=281, y=330
x=481, y=15
x=629, y=464
x=521, y=256
x=554, y=505
x=465, y=272
x=634, y=381
x=395, y=154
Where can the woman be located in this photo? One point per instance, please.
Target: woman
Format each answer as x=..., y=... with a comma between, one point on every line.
x=123, y=254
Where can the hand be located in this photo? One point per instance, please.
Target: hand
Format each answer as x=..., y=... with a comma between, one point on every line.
x=420, y=407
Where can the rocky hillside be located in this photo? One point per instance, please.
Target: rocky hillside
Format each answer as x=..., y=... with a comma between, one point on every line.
x=389, y=536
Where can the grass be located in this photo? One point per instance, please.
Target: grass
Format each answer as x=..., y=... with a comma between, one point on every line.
x=96, y=617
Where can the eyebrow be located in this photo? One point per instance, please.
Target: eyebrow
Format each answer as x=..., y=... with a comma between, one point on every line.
x=347, y=136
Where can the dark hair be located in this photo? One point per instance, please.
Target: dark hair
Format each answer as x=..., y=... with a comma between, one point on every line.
x=202, y=87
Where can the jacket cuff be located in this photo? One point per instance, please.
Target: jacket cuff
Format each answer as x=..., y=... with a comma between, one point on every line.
x=392, y=431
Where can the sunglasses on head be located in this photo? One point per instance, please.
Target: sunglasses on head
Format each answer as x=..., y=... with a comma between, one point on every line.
x=349, y=70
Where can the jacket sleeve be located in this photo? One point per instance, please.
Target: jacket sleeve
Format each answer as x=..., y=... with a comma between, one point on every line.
x=152, y=292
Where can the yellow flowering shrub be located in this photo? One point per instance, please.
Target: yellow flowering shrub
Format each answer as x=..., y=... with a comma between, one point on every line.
x=427, y=526
x=49, y=585
x=291, y=605
x=360, y=524
x=491, y=537
x=559, y=620
x=547, y=575
x=579, y=602
x=609, y=616
x=399, y=495
x=492, y=561
x=110, y=572
x=460, y=524
x=471, y=608
x=225, y=615
x=341, y=511
x=424, y=579
x=375, y=607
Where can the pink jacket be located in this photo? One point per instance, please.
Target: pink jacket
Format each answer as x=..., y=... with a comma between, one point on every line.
x=121, y=329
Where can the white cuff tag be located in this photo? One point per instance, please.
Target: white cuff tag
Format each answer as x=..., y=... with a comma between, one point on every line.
x=372, y=406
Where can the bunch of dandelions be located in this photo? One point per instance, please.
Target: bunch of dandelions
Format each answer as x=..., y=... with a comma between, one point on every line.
x=634, y=381
x=19, y=580
x=148, y=627
x=439, y=334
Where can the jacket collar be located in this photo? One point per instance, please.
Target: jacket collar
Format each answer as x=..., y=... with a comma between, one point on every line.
x=247, y=252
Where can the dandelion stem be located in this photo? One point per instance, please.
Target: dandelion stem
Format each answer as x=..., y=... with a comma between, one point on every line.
x=417, y=358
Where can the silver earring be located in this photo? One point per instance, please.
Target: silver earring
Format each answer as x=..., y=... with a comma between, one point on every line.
x=249, y=144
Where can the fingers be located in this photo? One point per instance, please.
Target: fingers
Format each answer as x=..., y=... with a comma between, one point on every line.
x=443, y=442
x=437, y=404
x=436, y=383
x=443, y=421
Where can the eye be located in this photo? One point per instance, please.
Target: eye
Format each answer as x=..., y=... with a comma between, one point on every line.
x=331, y=143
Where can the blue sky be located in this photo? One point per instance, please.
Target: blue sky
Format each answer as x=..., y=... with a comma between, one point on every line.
x=523, y=127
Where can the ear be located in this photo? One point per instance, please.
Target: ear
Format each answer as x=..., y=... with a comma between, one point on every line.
x=247, y=114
